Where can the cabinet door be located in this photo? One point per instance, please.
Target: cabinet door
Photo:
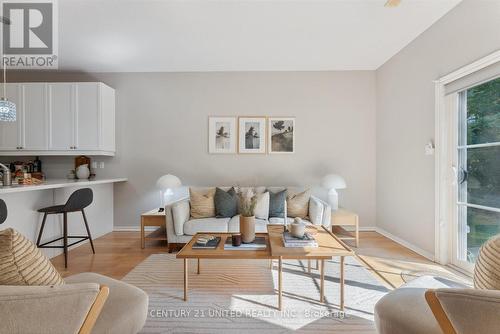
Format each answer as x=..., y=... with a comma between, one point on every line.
x=88, y=120
x=61, y=120
x=10, y=132
x=34, y=135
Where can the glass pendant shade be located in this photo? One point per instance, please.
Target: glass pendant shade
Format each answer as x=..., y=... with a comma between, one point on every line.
x=7, y=111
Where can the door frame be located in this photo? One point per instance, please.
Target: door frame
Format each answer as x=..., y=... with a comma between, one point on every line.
x=445, y=175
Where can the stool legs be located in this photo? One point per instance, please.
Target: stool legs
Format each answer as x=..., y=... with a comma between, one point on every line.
x=65, y=239
x=88, y=231
x=41, y=230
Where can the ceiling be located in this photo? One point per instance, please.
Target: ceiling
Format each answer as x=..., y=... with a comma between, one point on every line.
x=234, y=35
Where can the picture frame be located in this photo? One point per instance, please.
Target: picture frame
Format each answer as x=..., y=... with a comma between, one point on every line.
x=281, y=135
x=252, y=134
x=222, y=135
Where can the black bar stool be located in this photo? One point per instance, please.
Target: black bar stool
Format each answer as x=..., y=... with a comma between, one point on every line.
x=78, y=201
x=3, y=211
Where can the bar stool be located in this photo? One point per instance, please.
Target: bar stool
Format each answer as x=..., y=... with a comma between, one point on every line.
x=3, y=211
x=78, y=201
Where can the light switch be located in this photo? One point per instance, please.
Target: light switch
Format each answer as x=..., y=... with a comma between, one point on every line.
x=101, y=164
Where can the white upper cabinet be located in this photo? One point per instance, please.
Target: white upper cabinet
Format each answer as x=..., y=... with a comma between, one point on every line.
x=61, y=110
x=34, y=134
x=60, y=119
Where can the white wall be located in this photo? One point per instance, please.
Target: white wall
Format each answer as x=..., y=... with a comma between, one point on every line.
x=405, y=115
x=162, y=124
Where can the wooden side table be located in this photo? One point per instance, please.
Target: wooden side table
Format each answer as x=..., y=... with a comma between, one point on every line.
x=153, y=218
x=343, y=217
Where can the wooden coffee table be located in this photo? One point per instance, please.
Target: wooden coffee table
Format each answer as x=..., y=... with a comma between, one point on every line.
x=329, y=246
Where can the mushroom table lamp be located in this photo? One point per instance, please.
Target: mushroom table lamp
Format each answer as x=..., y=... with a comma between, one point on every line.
x=332, y=182
x=166, y=184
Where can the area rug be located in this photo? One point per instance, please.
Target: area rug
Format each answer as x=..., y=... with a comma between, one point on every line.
x=240, y=297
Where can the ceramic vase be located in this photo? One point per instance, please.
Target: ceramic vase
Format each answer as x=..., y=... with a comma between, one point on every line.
x=247, y=229
x=83, y=172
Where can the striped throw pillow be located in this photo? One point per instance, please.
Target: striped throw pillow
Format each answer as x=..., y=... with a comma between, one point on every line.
x=487, y=269
x=22, y=263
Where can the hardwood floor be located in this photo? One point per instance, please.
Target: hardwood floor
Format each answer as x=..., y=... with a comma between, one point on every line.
x=119, y=252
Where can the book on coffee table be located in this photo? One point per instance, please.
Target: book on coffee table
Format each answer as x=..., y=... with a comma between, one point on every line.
x=259, y=243
x=307, y=240
x=207, y=243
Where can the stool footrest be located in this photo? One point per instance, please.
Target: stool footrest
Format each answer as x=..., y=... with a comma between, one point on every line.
x=82, y=238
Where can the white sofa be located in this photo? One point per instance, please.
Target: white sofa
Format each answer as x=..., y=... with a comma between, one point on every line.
x=181, y=227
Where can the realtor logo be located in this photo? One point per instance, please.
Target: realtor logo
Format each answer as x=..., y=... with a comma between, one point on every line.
x=29, y=34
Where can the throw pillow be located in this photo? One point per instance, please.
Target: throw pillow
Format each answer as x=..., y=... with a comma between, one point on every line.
x=277, y=204
x=202, y=203
x=486, y=270
x=262, y=206
x=22, y=263
x=226, y=203
x=298, y=204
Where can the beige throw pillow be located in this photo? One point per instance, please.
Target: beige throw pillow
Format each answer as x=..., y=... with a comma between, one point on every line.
x=262, y=207
x=297, y=205
x=22, y=263
x=202, y=203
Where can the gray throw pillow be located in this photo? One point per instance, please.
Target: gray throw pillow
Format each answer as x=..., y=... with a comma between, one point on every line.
x=277, y=204
x=226, y=203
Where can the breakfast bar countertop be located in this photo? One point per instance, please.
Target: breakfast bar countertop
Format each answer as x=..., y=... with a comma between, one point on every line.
x=58, y=183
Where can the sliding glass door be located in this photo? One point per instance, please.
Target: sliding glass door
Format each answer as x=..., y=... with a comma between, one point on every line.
x=477, y=159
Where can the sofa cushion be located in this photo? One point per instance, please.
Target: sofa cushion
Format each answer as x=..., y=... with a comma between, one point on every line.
x=262, y=207
x=125, y=310
x=22, y=263
x=202, y=203
x=212, y=225
x=277, y=203
x=298, y=204
x=279, y=221
x=226, y=203
x=234, y=225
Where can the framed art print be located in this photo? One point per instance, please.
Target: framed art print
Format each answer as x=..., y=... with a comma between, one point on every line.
x=251, y=135
x=222, y=135
x=281, y=135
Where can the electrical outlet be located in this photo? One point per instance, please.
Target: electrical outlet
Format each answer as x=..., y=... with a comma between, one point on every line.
x=101, y=164
x=94, y=164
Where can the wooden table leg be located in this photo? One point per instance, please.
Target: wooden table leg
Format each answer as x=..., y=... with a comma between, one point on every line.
x=280, y=284
x=309, y=266
x=322, y=286
x=342, y=283
x=142, y=232
x=185, y=279
x=271, y=264
x=317, y=264
x=198, y=271
x=357, y=233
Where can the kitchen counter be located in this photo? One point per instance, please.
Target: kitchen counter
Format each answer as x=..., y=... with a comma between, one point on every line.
x=23, y=202
x=58, y=183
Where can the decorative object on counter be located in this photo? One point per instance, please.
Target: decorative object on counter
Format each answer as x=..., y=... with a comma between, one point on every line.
x=247, y=203
x=7, y=108
x=298, y=228
x=83, y=172
x=37, y=165
x=6, y=175
x=83, y=160
x=71, y=175
x=332, y=182
x=166, y=184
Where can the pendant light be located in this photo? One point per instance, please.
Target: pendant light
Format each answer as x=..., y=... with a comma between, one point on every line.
x=7, y=108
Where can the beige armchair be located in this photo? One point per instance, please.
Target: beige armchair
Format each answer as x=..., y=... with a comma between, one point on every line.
x=434, y=305
x=69, y=308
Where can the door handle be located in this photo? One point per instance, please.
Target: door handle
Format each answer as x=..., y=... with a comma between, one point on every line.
x=464, y=175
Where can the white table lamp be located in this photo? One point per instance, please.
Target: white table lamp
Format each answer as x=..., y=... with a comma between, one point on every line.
x=166, y=183
x=332, y=182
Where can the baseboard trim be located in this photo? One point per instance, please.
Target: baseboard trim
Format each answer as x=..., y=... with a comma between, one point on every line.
x=406, y=244
x=133, y=228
